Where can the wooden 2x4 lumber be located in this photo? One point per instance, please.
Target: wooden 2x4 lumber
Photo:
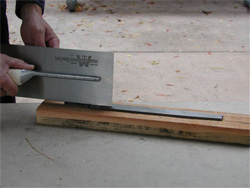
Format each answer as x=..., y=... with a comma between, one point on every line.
x=234, y=128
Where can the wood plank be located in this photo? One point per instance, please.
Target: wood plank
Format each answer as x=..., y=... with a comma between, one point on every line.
x=234, y=128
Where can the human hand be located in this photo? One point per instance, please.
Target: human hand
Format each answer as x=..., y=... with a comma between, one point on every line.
x=7, y=86
x=35, y=31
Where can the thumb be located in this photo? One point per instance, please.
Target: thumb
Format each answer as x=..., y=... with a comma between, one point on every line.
x=20, y=64
x=28, y=67
x=53, y=43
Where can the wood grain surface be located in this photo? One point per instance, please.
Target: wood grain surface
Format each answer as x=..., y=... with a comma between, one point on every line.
x=234, y=128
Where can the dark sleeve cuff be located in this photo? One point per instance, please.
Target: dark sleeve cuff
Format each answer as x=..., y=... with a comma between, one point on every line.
x=20, y=3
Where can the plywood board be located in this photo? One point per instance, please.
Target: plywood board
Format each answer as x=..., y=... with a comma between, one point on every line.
x=234, y=128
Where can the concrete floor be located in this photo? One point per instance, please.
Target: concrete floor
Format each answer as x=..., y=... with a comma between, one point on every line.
x=177, y=53
x=87, y=158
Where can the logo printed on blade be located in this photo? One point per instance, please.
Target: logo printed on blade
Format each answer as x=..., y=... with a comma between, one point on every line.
x=82, y=60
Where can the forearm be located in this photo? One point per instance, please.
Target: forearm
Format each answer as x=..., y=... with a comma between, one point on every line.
x=20, y=4
x=29, y=10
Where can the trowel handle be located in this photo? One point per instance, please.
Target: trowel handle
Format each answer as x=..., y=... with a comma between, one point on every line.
x=20, y=76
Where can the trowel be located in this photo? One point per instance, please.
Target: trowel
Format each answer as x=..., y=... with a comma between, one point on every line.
x=74, y=76
x=77, y=76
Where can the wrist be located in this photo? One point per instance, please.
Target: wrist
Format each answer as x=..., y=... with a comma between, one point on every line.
x=29, y=10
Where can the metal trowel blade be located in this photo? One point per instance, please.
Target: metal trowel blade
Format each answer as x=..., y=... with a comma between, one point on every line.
x=70, y=62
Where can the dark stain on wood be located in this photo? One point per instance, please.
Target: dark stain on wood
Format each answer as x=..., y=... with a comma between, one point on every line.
x=167, y=131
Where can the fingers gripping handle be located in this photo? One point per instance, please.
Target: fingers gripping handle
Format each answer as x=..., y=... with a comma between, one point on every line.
x=15, y=75
x=20, y=76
